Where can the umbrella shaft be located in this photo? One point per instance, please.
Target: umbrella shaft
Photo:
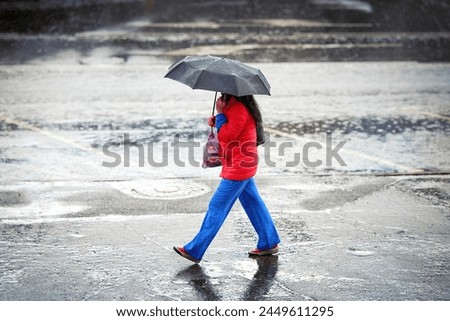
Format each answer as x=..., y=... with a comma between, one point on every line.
x=214, y=107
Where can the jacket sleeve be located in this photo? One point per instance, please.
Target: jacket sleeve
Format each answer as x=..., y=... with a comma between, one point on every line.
x=220, y=120
x=236, y=119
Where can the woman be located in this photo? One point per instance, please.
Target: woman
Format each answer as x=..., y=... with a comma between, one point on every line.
x=237, y=121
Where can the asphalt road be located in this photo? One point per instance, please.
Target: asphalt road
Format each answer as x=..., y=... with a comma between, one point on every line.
x=369, y=223
x=72, y=229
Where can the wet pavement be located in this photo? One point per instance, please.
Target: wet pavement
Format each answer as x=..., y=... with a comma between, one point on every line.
x=343, y=238
x=371, y=223
x=72, y=229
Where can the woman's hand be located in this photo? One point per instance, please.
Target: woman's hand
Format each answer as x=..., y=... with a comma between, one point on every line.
x=212, y=121
x=219, y=105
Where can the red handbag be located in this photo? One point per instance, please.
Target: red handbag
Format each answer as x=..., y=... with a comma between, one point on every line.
x=211, y=151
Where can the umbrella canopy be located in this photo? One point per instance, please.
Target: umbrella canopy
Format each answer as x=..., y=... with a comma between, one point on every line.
x=220, y=75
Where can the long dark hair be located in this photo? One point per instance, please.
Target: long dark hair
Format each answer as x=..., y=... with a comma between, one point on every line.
x=252, y=106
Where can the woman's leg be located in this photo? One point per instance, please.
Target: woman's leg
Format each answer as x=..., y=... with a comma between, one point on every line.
x=259, y=216
x=219, y=207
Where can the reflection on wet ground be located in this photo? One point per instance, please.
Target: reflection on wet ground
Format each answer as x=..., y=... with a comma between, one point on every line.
x=263, y=279
x=257, y=290
x=199, y=280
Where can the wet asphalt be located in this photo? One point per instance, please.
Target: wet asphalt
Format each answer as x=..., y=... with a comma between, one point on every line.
x=372, y=227
x=343, y=238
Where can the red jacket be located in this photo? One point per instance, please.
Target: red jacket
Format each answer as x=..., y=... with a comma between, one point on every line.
x=237, y=138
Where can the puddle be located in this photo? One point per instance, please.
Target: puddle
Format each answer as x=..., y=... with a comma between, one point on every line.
x=6, y=160
x=165, y=189
x=359, y=252
x=13, y=198
x=78, y=236
x=437, y=191
x=372, y=126
x=5, y=126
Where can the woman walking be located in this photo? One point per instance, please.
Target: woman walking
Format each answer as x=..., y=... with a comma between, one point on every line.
x=238, y=121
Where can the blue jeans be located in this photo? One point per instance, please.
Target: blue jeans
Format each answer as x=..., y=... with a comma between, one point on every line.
x=220, y=205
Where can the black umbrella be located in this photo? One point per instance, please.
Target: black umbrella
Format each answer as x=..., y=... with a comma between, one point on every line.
x=220, y=75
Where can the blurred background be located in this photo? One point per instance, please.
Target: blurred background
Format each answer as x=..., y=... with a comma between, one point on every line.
x=257, y=30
